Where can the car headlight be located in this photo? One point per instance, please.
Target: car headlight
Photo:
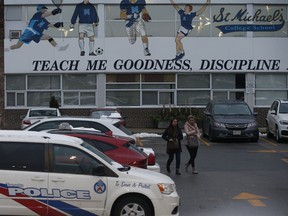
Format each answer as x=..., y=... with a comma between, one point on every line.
x=218, y=124
x=282, y=122
x=166, y=188
x=253, y=124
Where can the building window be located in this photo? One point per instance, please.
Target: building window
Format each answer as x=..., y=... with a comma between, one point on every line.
x=41, y=98
x=269, y=87
x=169, y=21
x=276, y=11
x=193, y=89
x=79, y=89
x=193, y=98
x=228, y=86
x=36, y=82
x=219, y=13
x=15, y=82
x=193, y=81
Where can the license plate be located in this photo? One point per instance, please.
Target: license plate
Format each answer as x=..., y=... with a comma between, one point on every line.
x=236, y=132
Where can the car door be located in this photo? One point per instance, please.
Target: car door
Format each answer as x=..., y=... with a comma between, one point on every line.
x=272, y=116
x=23, y=180
x=75, y=191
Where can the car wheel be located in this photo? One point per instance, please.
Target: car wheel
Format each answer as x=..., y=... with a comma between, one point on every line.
x=278, y=137
x=132, y=206
x=269, y=134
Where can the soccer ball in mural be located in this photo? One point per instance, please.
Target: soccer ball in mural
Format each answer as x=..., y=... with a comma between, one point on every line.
x=99, y=51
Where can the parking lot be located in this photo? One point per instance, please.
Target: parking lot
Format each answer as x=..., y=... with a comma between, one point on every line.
x=235, y=177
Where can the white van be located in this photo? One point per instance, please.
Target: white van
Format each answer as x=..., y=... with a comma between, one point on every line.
x=48, y=174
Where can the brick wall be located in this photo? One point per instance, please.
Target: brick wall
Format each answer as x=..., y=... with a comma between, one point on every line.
x=136, y=117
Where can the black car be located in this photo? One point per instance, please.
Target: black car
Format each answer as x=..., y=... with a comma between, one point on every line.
x=229, y=119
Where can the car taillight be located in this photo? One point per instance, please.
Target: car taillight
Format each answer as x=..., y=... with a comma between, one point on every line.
x=27, y=122
x=151, y=159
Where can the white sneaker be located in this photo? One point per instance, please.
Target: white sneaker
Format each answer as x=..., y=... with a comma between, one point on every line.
x=147, y=52
x=62, y=48
x=194, y=171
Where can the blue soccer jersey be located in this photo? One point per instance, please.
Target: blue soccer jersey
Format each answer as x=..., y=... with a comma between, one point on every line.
x=132, y=9
x=86, y=12
x=38, y=24
x=186, y=19
x=35, y=28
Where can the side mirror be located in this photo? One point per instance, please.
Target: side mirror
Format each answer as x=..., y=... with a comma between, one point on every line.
x=255, y=113
x=273, y=112
x=207, y=113
x=99, y=170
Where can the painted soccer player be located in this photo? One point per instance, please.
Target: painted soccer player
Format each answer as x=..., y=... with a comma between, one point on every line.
x=36, y=26
x=135, y=13
x=186, y=17
x=88, y=20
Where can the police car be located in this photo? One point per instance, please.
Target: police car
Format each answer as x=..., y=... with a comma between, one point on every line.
x=49, y=174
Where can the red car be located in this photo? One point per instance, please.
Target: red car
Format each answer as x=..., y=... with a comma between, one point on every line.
x=119, y=149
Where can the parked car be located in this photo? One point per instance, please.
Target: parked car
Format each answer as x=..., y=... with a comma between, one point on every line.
x=48, y=174
x=229, y=119
x=108, y=112
x=120, y=149
x=35, y=114
x=108, y=126
x=277, y=120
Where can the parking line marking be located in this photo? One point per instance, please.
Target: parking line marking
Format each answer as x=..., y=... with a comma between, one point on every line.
x=256, y=203
x=269, y=142
x=252, y=199
x=285, y=160
x=204, y=141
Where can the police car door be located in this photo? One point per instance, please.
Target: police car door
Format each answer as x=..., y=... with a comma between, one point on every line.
x=23, y=178
x=74, y=190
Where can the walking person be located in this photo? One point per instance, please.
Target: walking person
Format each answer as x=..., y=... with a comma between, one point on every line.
x=186, y=17
x=173, y=135
x=192, y=135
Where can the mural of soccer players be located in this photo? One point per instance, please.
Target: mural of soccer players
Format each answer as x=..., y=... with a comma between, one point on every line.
x=135, y=13
x=88, y=20
x=36, y=26
x=186, y=17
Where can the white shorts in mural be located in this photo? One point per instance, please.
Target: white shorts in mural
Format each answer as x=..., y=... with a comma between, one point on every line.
x=88, y=29
x=138, y=27
x=184, y=30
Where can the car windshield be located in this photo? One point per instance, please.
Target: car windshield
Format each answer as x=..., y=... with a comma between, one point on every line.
x=231, y=109
x=283, y=108
x=102, y=155
x=123, y=128
x=34, y=113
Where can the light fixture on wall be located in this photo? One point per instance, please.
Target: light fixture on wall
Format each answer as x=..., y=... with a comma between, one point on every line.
x=14, y=34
